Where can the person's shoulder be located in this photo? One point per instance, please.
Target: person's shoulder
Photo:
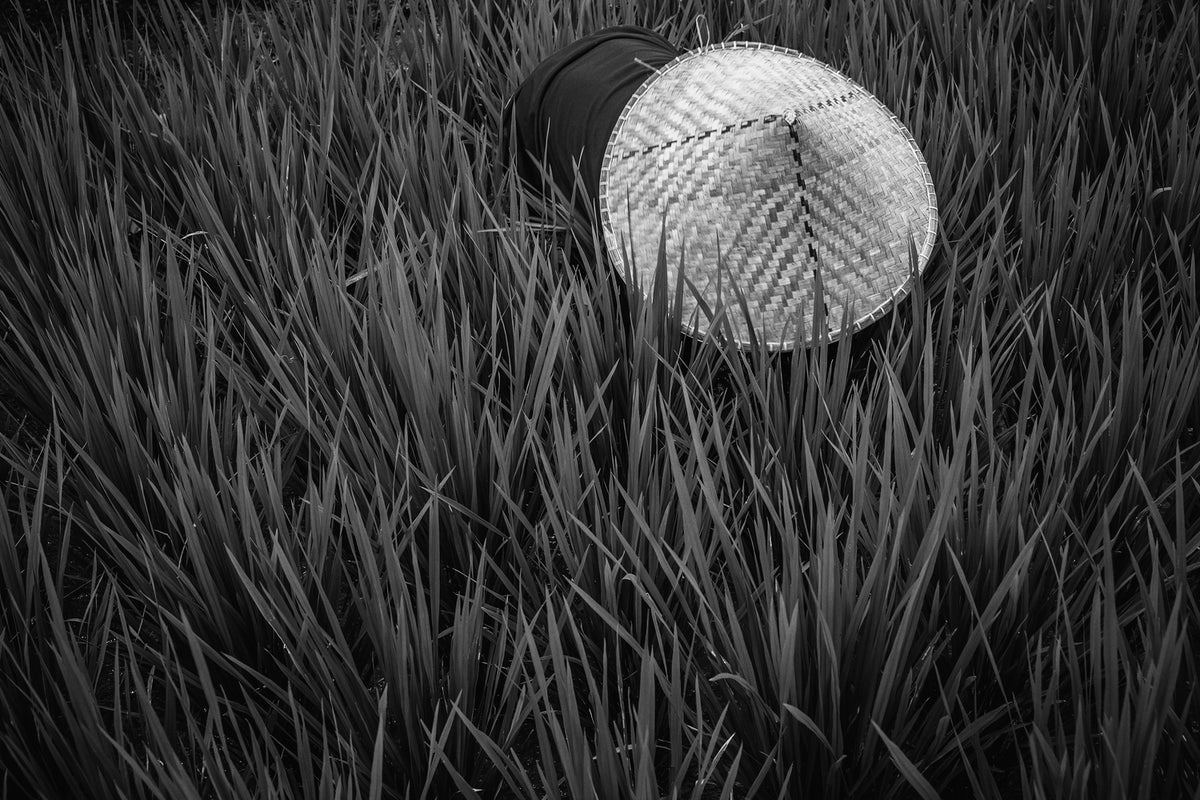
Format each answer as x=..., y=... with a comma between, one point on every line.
x=635, y=32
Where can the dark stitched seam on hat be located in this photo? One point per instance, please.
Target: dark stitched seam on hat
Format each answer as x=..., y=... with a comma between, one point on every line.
x=812, y=251
x=767, y=120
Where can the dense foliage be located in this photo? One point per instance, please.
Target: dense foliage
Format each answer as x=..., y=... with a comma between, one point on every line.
x=337, y=467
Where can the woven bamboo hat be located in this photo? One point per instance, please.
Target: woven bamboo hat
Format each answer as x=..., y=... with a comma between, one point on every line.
x=779, y=180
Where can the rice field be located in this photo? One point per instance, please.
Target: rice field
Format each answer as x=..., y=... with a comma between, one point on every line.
x=337, y=466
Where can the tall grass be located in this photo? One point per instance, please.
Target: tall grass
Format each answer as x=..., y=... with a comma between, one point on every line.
x=347, y=472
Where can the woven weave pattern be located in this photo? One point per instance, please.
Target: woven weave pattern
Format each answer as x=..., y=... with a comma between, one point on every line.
x=767, y=166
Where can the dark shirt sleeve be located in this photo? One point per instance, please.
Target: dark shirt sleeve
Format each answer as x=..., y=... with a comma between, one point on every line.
x=563, y=113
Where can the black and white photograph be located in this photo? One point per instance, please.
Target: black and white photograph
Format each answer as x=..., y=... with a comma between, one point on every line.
x=600, y=399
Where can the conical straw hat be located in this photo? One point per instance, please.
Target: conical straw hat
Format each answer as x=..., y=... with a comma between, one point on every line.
x=778, y=178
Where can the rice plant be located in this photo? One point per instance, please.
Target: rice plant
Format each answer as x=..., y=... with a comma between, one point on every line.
x=336, y=465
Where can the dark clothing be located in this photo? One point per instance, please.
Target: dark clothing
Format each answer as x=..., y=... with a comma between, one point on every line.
x=566, y=109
